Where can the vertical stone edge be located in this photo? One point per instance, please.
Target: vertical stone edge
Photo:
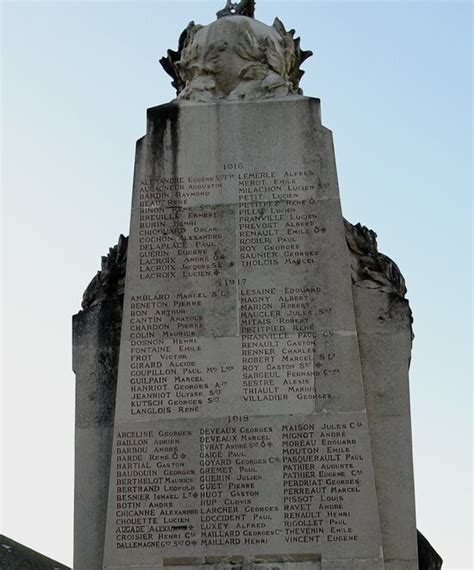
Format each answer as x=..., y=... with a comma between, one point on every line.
x=380, y=563
x=96, y=337
x=385, y=339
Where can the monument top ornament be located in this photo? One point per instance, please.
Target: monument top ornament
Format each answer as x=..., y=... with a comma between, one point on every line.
x=236, y=58
x=243, y=8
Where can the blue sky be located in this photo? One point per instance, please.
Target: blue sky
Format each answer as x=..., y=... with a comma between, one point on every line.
x=395, y=83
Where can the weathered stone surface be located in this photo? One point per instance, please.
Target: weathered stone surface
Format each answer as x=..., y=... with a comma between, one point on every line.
x=385, y=340
x=110, y=291
x=109, y=282
x=250, y=396
x=236, y=58
x=16, y=556
x=370, y=268
x=96, y=338
x=384, y=327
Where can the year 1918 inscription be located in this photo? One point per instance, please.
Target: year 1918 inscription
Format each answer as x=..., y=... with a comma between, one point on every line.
x=206, y=486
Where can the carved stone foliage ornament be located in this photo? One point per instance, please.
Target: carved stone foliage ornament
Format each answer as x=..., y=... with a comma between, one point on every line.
x=236, y=58
x=369, y=267
x=110, y=280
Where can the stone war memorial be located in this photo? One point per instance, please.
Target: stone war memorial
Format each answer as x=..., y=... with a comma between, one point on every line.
x=242, y=357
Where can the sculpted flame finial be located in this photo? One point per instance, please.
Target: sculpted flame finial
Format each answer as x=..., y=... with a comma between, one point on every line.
x=243, y=8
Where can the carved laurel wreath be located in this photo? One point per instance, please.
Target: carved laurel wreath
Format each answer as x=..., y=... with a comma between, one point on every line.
x=368, y=265
x=276, y=66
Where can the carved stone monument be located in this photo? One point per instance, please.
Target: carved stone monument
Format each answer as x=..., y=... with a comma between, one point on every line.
x=261, y=413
